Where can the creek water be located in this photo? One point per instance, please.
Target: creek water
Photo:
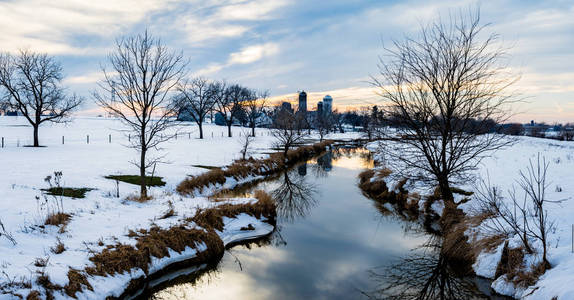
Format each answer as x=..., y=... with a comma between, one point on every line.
x=331, y=242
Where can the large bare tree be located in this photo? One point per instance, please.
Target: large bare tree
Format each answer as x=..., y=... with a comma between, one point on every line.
x=196, y=97
x=32, y=85
x=445, y=91
x=142, y=75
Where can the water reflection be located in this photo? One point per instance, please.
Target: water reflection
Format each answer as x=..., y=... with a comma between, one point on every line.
x=426, y=273
x=294, y=196
x=328, y=239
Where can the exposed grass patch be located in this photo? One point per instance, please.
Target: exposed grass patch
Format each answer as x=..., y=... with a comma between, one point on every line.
x=136, y=179
x=58, y=219
x=41, y=262
x=58, y=248
x=138, y=198
x=67, y=192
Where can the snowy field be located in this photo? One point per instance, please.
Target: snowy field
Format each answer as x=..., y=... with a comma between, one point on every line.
x=100, y=216
x=503, y=169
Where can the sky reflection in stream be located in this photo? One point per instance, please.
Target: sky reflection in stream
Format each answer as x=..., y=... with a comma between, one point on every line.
x=331, y=242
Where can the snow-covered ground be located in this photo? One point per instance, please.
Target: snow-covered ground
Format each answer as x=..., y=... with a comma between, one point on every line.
x=503, y=170
x=100, y=216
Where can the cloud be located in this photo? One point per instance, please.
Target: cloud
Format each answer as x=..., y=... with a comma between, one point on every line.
x=246, y=55
x=50, y=26
x=253, y=53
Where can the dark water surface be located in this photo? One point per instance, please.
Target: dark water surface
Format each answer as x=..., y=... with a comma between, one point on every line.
x=331, y=243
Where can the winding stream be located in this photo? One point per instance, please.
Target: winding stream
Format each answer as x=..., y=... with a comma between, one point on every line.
x=331, y=242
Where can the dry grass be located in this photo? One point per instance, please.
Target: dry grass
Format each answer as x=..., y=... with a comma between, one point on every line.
x=138, y=198
x=58, y=219
x=76, y=282
x=250, y=167
x=33, y=295
x=155, y=242
x=212, y=218
x=58, y=248
x=41, y=262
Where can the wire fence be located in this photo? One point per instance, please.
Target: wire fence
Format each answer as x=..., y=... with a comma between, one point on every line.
x=118, y=137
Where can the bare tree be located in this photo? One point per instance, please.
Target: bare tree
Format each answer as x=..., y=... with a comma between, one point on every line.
x=322, y=125
x=32, y=84
x=525, y=216
x=196, y=97
x=246, y=142
x=223, y=103
x=287, y=133
x=442, y=90
x=143, y=74
x=255, y=108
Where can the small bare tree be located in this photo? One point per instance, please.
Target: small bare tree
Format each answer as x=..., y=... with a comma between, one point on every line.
x=32, y=84
x=443, y=92
x=196, y=97
x=255, y=108
x=246, y=142
x=526, y=216
x=143, y=75
x=287, y=133
x=322, y=125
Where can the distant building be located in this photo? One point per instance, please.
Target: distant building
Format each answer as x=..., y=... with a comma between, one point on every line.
x=303, y=102
x=320, y=107
x=328, y=105
x=286, y=106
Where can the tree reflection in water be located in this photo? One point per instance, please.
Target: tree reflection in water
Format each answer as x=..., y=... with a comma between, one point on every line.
x=424, y=274
x=294, y=196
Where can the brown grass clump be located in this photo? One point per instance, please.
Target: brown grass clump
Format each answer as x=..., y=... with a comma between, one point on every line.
x=33, y=295
x=58, y=248
x=76, y=281
x=41, y=262
x=384, y=172
x=57, y=219
x=213, y=217
x=138, y=198
x=189, y=185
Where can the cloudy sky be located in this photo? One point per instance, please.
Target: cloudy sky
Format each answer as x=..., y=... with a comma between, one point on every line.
x=323, y=47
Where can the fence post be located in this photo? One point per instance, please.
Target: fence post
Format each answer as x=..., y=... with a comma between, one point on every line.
x=62, y=140
x=110, y=138
x=189, y=135
x=212, y=134
x=87, y=139
x=129, y=137
x=2, y=142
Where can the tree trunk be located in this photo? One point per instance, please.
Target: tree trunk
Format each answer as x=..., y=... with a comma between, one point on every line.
x=143, y=183
x=253, y=130
x=200, y=130
x=445, y=190
x=229, y=129
x=36, y=140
